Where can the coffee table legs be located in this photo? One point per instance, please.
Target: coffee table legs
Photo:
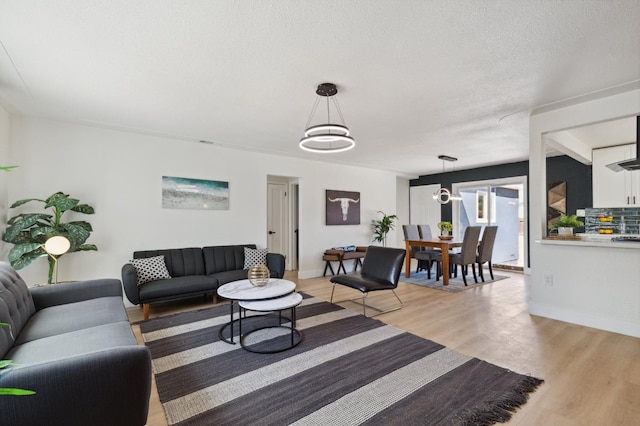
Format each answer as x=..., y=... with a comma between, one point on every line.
x=228, y=325
x=295, y=335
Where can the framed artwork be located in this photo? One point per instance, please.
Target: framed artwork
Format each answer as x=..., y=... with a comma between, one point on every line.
x=342, y=207
x=187, y=193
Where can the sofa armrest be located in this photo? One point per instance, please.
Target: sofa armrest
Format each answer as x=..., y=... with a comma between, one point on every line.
x=60, y=294
x=130, y=283
x=109, y=387
x=275, y=263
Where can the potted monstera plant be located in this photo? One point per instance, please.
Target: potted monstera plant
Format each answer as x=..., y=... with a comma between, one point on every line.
x=29, y=231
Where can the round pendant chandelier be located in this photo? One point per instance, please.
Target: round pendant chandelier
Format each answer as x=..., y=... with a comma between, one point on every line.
x=443, y=195
x=327, y=138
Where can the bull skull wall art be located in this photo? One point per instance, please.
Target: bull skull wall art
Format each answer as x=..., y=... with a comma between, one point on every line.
x=342, y=207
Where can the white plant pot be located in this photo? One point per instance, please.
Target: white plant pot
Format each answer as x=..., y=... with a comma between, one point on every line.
x=565, y=231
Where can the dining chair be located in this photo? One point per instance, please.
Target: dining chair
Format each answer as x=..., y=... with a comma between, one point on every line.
x=380, y=271
x=467, y=254
x=485, y=250
x=428, y=255
x=411, y=233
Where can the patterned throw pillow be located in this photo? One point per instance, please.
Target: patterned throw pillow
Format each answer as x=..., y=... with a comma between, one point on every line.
x=150, y=269
x=254, y=257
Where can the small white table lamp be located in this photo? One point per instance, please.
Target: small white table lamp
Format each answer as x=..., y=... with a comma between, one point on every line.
x=56, y=246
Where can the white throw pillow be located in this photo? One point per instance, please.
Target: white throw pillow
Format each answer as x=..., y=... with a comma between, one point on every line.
x=254, y=257
x=150, y=269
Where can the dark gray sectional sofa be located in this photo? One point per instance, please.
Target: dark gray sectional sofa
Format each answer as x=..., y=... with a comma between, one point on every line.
x=73, y=345
x=194, y=271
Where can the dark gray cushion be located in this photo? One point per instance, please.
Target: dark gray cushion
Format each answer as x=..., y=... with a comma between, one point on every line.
x=228, y=276
x=59, y=294
x=16, y=306
x=224, y=258
x=103, y=388
x=71, y=317
x=75, y=343
x=162, y=289
x=180, y=262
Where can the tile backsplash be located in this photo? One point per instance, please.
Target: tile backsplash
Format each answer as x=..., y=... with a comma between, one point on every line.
x=619, y=220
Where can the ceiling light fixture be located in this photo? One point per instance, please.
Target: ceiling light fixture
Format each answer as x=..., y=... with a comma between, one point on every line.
x=443, y=196
x=327, y=138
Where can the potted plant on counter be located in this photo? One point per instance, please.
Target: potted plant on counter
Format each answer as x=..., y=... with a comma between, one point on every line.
x=567, y=224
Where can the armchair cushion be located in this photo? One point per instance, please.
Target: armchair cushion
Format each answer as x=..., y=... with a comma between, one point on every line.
x=150, y=269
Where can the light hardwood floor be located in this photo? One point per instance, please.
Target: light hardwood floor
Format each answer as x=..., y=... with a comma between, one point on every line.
x=592, y=377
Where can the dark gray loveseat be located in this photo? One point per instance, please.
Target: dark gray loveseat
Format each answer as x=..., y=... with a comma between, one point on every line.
x=74, y=347
x=194, y=271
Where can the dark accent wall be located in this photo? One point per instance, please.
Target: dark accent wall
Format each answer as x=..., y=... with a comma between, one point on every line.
x=559, y=169
x=482, y=173
x=578, y=178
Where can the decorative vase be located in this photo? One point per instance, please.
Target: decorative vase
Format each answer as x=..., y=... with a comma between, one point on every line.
x=259, y=275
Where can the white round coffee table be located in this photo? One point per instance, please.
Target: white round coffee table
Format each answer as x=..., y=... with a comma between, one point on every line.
x=279, y=304
x=243, y=290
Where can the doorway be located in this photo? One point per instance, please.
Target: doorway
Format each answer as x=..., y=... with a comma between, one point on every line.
x=282, y=218
x=500, y=202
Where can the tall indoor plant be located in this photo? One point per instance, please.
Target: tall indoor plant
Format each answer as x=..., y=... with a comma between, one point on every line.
x=29, y=231
x=381, y=227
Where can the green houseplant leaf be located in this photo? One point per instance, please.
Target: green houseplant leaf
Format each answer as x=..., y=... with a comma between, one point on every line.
x=382, y=227
x=29, y=231
x=568, y=222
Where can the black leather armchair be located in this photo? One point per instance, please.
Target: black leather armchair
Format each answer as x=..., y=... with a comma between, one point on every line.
x=380, y=271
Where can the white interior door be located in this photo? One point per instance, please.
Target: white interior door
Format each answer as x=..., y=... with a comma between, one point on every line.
x=277, y=214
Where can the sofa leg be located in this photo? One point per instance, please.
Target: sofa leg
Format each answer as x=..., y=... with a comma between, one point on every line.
x=215, y=298
x=146, y=310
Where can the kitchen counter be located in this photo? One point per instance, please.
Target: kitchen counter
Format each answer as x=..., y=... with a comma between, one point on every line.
x=594, y=240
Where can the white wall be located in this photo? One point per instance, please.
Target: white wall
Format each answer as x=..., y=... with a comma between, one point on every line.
x=402, y=210
x=5, y=160
x=119, y=173
x=597, y=287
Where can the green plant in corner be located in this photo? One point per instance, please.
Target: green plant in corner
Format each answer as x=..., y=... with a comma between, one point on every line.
x=382, y=227
x=5, y=363
x=446, y=228
x=29, y=231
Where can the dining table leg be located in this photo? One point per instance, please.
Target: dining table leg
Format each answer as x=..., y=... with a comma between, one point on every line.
x=445, y=266
x=407, y=260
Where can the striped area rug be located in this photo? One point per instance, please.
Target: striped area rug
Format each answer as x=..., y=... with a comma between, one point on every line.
x=348, y=370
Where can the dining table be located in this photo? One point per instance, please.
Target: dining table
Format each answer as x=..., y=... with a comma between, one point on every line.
x=441, y=244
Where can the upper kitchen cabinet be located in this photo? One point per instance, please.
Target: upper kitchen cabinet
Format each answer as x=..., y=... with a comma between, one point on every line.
x=615, y=189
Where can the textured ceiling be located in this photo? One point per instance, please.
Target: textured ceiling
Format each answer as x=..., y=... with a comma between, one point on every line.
x=416, y=78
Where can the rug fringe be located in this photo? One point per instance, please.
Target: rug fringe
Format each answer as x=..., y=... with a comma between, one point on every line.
x=502, y=408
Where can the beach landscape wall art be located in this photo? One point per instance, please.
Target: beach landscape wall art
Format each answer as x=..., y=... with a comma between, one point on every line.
x=187, y=193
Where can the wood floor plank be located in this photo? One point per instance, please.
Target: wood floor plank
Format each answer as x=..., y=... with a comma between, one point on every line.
x=592, y=377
